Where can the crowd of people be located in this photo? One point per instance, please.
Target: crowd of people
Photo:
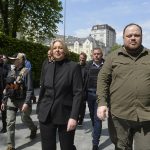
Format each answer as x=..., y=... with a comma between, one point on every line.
x=117, y=89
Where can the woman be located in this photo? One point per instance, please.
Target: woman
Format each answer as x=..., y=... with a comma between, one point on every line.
x=59, y=99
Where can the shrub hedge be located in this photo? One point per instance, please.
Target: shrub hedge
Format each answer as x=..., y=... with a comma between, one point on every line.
x=35, y=52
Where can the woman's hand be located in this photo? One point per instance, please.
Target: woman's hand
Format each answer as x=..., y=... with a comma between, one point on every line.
x=72, y=123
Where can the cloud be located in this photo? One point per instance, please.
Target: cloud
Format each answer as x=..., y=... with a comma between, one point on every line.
x=81, y=33
x=146, y=25
x=83, y=14
x=60, y=29
x=146, y=33
x=146, y=39
x=119, y=39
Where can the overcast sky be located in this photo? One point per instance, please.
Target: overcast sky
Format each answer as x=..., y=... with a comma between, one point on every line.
x=81, y=15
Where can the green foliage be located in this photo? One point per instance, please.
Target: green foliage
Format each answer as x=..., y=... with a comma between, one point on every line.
x=35, y=52
x=74, y=56
x=115, y=47
x=34, y=19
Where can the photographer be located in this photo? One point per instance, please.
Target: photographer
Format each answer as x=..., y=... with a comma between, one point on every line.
x=17, y=96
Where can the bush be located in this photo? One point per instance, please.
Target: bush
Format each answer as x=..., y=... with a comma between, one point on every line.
x=35, y=52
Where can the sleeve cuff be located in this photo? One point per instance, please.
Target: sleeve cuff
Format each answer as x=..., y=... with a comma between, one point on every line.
x=101, y=102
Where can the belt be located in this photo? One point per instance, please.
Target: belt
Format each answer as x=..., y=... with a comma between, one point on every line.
x=12, y=108
x=92, y=90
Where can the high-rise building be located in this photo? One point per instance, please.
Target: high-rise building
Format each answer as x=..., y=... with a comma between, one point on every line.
x=104, y=34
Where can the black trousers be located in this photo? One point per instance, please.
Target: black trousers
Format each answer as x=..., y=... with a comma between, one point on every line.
x=3, y=113
x=49, y=133
x=126, y=131
x=82, y=112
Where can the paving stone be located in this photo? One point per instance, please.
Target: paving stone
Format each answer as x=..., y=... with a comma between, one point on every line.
x=83, y=138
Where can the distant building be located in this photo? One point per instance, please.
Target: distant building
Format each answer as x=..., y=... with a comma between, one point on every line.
x=78, y=45
x=105, y=34
x=102, y=36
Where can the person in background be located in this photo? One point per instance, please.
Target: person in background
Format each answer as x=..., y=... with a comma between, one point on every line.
x=5, y=60
x=82, y=62
x=29, y=66
x=49, y=55
x=48, y=60
x=3, y=74
x=93, y=67
x=59, y=99
x=17, y=96
x=27, y=62
x=124, y=89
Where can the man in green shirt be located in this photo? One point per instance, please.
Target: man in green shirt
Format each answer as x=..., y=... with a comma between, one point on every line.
x=124, y=87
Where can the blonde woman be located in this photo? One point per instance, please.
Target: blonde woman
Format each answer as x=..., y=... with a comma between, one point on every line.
x=59, y=99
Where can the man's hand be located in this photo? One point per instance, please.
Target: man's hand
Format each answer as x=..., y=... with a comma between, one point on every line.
x=72, y=123
x=24, y=107
x=102, y=112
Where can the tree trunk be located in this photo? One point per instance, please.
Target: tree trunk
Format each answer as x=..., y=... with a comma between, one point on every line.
x=4, y=13
x=18, y=8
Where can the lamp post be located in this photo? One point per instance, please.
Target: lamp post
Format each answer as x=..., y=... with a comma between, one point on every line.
x=64, y=19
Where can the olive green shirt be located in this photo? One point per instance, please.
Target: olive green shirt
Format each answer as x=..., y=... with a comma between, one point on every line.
x=124, y=84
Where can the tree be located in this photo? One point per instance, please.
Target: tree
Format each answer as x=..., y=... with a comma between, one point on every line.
x=33, y=18
x=115, y=47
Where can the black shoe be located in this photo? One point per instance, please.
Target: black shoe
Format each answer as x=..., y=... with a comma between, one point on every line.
x=10, y=147
x=74, y=147
x=33, y=133
x=3, y=130
x=34, y=99
x=80, y=124
x=95, y=147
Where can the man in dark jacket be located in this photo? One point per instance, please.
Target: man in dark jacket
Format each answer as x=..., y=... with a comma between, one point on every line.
x=17, y=95
x=93, y=67
x=82, y=62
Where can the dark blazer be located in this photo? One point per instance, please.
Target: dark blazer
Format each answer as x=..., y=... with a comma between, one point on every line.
x=61, y=92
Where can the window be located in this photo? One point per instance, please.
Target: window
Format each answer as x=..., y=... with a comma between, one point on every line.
x=95, y=28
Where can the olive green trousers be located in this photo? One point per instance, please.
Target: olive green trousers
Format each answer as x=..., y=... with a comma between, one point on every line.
x=129, y=135
x=12, y=108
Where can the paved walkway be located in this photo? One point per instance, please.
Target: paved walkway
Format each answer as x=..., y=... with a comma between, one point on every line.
x=82, y=139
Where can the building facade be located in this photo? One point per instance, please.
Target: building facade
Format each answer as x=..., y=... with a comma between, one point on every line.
x=86, y=45
x=102, y=36
x=105, y=34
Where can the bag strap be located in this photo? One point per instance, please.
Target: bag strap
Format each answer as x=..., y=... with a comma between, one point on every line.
x=22, y=73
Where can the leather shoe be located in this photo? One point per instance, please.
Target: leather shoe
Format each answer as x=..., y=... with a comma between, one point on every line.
x=33, y=133
x=3, y=130
x=10, y=147
x=95, y=147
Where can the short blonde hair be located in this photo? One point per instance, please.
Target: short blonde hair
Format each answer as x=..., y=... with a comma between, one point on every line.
x=65, y=48
x=98, y=48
